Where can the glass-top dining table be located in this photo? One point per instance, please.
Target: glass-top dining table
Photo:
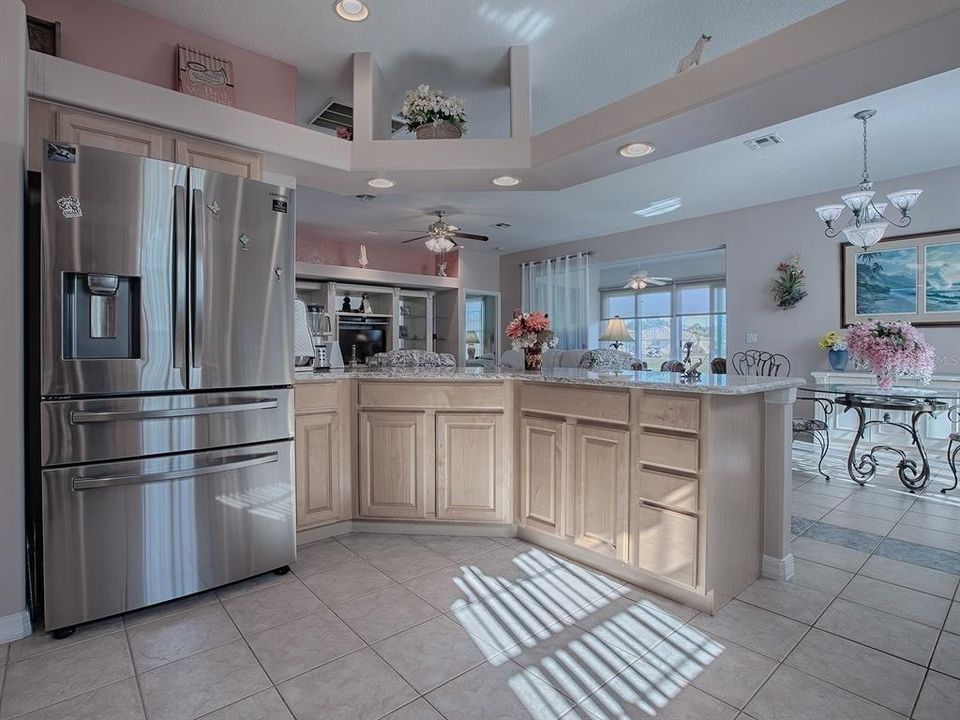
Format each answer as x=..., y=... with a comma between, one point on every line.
x=912, y=402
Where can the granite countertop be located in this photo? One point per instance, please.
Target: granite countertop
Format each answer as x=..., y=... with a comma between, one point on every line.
x=708, y=384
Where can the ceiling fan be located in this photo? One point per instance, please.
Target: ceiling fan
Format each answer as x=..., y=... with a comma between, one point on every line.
x=641, y=279
x=440, y=235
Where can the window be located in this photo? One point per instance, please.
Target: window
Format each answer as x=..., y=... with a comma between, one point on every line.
x=662, y=319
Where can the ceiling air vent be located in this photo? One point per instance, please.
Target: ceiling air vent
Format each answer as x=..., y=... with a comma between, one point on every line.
x=333, y=115
x=763, y=142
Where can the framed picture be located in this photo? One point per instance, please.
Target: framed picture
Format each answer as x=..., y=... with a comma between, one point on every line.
x=912, y=277
x=43, y=35
x=205, y=76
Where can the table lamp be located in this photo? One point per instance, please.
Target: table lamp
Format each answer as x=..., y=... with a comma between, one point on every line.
x=472, y=340
x=616, y=332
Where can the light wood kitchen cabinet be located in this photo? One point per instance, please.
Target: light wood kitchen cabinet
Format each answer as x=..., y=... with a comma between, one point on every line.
x=49, y=121
x=664, y=543
x=392, y=464
x=470, y=482
x=101, y=131
x=318, y=469
x=541, y=473
x=220, y=158
x=601, y=489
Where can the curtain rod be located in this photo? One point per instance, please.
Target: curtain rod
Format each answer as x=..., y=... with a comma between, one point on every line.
x=562, y=257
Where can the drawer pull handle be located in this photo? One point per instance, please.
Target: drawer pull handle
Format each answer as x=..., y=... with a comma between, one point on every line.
x=78, y=417
x=238, y=462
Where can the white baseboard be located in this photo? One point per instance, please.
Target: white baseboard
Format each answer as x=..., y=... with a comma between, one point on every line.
x=778, y=568
x=408, y=527
x=16, y=626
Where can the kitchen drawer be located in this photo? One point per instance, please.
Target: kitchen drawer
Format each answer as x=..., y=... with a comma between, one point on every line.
x=672, y=451
x=668, y=410
x=421, y=396
x=310, y=397
x=667, y=488
x=665, y=543
x=611, y=406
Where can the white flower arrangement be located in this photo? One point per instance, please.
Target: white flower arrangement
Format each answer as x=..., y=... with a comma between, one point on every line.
x=423, y=106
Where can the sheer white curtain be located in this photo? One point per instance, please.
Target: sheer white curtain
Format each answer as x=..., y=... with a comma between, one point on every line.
x=561, y=288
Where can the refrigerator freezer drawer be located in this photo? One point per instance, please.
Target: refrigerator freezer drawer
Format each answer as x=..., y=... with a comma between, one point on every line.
x=121, y=536
x=83, y=431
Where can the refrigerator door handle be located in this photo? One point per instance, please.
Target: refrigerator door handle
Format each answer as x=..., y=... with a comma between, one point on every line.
x=78, y=417
x=107, y=481
x=180, y=269
x=199, y=252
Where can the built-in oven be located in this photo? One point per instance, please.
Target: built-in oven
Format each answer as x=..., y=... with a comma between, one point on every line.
x=361, y=338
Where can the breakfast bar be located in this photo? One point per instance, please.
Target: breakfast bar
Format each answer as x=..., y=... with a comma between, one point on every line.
x=679, y=487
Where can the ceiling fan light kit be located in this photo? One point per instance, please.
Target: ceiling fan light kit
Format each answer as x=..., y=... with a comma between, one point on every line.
x=439, y=235
x=641, y=280
x=868, y=222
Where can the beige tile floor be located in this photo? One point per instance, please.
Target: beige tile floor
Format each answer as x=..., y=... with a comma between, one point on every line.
x=426, y=628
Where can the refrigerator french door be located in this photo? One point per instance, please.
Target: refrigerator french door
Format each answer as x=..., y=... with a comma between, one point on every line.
x=165, y=385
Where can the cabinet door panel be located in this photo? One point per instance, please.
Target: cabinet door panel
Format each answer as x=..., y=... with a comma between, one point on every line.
x=469, y=476
x=602, y=488
x=219, y=158
x=107, y=133
x=318, y=469
x=665, y=543
x=541, y=475
x=391, y=465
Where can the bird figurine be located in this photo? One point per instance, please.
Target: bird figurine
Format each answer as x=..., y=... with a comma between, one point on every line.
x=363, y=256
x=693, y=58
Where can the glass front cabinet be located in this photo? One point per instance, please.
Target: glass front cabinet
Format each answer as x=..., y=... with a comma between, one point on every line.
x=413, y=319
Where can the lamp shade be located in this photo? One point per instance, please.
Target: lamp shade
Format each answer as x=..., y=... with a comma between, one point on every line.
x=616, y=331
x=472, y=337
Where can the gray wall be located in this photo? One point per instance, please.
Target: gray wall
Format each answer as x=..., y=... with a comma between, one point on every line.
x=12, y=126
x=756, y=240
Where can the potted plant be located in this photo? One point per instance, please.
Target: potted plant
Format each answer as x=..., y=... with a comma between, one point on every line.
x=789, y=287
x=891, y=349
x=836, y=346
x=432, y=115
x=530, y=332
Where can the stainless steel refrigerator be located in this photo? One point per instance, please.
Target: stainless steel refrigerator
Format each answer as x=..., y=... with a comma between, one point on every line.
x=165, y=384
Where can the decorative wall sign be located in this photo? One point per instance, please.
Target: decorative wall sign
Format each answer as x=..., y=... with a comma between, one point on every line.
x=914, y=278
x=43, y=35
x=205, y=76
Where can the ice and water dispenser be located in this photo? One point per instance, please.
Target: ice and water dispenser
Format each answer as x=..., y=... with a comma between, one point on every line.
x=101, y=316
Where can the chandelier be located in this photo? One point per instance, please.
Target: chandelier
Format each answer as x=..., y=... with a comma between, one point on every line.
x=439, y=243
x=868, y=223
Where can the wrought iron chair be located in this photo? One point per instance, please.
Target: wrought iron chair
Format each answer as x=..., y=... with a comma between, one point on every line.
x=953, y=449
x=674, y=366
x=762, y=363
x=718, y=366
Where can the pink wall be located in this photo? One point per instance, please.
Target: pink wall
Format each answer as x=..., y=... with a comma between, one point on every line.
x=128, y=42
x=417, y=260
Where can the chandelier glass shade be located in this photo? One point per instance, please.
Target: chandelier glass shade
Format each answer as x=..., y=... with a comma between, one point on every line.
x=439, y=244
x=868, y=221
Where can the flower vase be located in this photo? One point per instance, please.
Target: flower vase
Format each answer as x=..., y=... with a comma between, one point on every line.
x=838, y=359
x=533, y=358
x=438, y=130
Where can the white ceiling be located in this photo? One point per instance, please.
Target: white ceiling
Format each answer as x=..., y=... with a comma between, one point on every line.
x=916, y=130
x=585, y=54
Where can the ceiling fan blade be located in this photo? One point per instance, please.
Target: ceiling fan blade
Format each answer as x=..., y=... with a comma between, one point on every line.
x=422, y=237
x=471, y=236
x=416, y=231
x=656, y=281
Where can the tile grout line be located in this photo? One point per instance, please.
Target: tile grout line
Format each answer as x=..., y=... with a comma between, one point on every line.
x=936, y=646
x=136, y=675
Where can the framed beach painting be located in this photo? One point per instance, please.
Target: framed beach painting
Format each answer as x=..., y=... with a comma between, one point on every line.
x=912, y=277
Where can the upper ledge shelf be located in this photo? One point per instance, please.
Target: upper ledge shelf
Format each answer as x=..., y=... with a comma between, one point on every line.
x=339, y=273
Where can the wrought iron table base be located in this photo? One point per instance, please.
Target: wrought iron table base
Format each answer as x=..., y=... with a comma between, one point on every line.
x=913, y=476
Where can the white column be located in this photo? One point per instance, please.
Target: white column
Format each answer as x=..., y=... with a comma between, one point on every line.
x=14, y=621
x=778, y=482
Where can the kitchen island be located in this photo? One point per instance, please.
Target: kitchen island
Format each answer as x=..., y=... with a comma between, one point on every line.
x=682, y=488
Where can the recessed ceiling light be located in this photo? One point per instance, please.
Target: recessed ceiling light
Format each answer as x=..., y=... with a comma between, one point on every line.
x=660, y=207
x=352, y=10
x=381, y=183
x=635, y=150
x=506, y=181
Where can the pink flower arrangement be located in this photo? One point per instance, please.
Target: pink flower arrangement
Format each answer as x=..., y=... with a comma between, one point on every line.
x=891, y=349
x=345, y=133
x=530, y=330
